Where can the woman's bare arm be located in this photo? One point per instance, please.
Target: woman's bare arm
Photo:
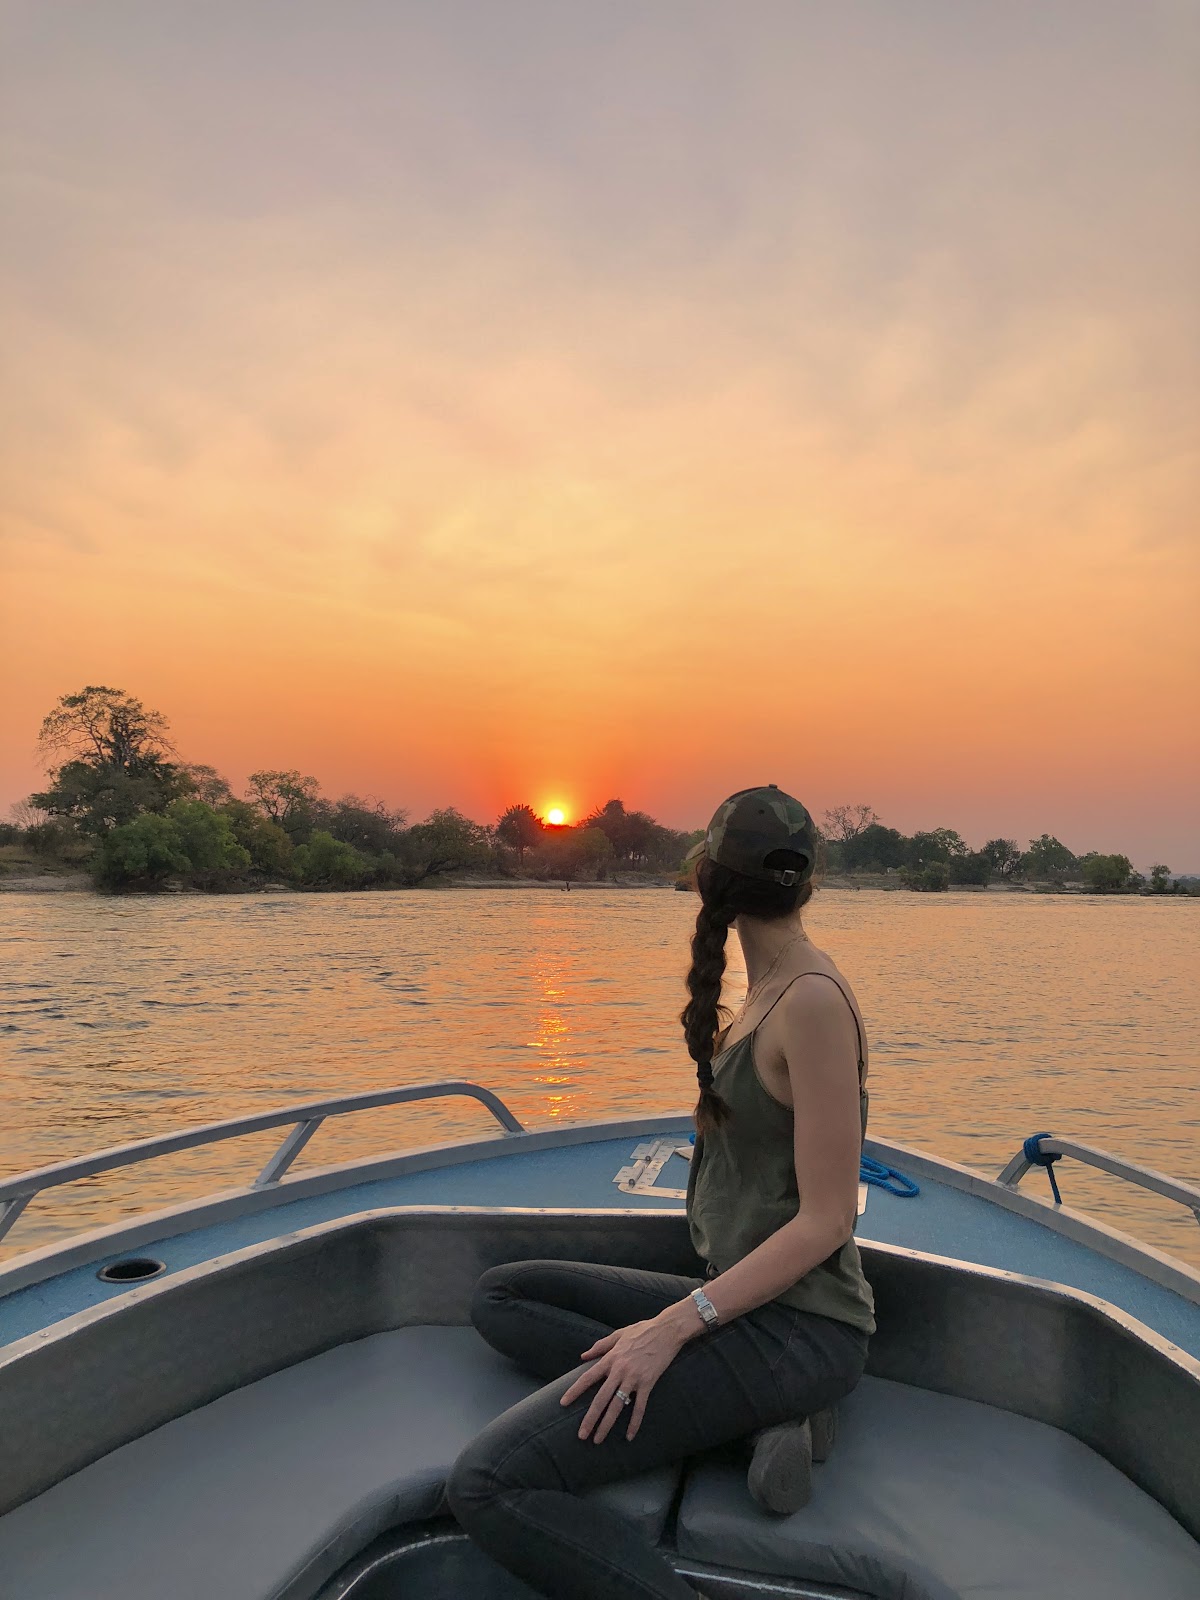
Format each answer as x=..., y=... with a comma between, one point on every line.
x=820, y=1049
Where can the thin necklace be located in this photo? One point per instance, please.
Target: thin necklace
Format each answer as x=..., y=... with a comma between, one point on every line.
x=755, y=989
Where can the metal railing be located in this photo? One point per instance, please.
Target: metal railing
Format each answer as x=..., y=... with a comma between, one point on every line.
x=1043, y=1150
x=16, y=1193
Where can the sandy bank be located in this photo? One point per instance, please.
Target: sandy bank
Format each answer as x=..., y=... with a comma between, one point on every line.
x=46, y=883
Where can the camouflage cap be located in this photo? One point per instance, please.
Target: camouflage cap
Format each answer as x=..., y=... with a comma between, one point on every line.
x=751, y=825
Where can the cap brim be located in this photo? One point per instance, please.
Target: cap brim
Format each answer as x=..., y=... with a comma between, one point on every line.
x=696, y=851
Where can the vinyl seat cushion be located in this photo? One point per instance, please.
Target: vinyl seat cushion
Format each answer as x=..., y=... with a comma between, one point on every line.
x=927, y=1497
x=266, y=1492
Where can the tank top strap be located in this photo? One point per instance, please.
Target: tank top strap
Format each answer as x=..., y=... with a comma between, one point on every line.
x=816, y=972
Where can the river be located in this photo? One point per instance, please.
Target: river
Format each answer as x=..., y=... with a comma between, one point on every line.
x=991, y=1016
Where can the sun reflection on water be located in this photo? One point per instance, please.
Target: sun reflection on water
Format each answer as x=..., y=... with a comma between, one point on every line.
x=988, y=1016
x=553, y=1037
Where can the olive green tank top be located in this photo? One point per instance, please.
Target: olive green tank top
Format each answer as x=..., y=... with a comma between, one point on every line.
x=742, y=1185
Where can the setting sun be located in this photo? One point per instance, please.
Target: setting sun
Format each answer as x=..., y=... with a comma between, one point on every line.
x=556, y=816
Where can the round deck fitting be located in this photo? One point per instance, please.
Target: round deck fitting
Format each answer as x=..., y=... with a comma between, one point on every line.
x=133, y=1269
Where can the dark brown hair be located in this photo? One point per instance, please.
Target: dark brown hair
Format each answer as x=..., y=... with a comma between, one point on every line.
x=724, y=895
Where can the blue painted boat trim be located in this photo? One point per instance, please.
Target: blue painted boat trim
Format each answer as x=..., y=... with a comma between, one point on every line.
x=944, y=1220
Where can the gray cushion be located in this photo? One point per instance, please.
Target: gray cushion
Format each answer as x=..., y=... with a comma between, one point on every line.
x=266, y=1492
x=926, y=1497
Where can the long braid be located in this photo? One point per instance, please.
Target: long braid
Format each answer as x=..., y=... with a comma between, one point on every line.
x=702, y=1015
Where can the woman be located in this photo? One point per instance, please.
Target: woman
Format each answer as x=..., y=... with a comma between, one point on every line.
x=775, y=1333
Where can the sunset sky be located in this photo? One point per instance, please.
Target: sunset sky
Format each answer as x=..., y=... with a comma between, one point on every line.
x=555, y=399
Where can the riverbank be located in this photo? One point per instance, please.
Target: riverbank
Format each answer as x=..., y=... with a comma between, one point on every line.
x=48, y=883
x=80, y=883
x=22, y=872
x=27, y=876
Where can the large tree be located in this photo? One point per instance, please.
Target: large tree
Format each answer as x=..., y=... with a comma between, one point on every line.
x=974, y=867
x=1047, y=858
x=207, y=784
x=368, y=825
x=568, y=853
x=108, y=760
x=445, y=842
x=938, y=844
x=845, y=823
x=288, y=798
x=875, y=849
x=520, y=828
x=612, y=820
x=634, y=835
x=1107, y=874
x=643, y=838
x=25, y=814
x=105, y=727
x=1004, y=855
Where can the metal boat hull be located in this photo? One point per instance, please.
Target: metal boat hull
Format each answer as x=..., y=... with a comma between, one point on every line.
x=1021, y=1328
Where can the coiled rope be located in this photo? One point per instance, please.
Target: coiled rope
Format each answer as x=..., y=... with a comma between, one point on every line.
x=885, y=1177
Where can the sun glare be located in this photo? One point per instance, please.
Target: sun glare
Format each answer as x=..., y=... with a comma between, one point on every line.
x=556, y=816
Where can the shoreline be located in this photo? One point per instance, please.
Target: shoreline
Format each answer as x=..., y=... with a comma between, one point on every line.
x=44, y=883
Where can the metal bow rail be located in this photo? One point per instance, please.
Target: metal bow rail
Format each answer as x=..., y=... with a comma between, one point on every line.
x=16, y=1193
x=1044, y=1149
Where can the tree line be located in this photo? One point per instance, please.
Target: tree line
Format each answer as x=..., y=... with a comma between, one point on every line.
x=857, y=842
x=122, y=802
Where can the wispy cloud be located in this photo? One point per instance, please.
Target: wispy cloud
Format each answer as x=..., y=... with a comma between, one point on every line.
x=576, y=367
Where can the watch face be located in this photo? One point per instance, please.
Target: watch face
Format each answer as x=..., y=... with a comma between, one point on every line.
x=706, y=1308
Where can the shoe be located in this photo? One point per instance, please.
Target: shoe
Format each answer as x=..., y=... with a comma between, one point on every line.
x=780, y=1475
x=824, y=1432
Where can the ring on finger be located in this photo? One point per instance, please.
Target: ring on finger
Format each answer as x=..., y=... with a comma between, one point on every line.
x=625, y=1399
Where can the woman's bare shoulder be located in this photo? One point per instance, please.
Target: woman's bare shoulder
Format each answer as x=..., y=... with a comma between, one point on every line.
x=813, y=1000
x=813, y=994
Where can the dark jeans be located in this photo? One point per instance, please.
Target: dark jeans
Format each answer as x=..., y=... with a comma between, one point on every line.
x=515, y=1487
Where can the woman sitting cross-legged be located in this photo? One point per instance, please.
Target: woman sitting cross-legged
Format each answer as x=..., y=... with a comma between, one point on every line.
x=777, y=1330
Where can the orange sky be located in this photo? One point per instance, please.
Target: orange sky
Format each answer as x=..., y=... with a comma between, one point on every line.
x=602, y=405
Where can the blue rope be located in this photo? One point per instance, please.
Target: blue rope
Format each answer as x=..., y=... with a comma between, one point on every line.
x=883, y=1177
x=1036, y=1157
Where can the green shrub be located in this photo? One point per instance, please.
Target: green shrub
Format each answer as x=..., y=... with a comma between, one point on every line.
x=142, y=854
x=932, y=878
x=974, y=867
x=207, y=840
x=1106, y=874
x=267, y=844
x=329, y=863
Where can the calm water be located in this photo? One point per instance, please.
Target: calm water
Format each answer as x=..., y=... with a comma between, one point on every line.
x=990, y=1017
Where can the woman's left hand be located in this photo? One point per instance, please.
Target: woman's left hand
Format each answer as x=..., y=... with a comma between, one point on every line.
x=630, y=1359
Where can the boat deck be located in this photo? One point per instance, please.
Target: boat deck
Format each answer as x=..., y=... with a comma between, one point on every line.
x=943, y=1220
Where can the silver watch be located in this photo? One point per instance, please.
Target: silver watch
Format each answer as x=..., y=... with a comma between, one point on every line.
x=706, y=1308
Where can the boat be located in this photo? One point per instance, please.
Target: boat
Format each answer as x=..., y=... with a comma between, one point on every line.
x=257, y=1395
